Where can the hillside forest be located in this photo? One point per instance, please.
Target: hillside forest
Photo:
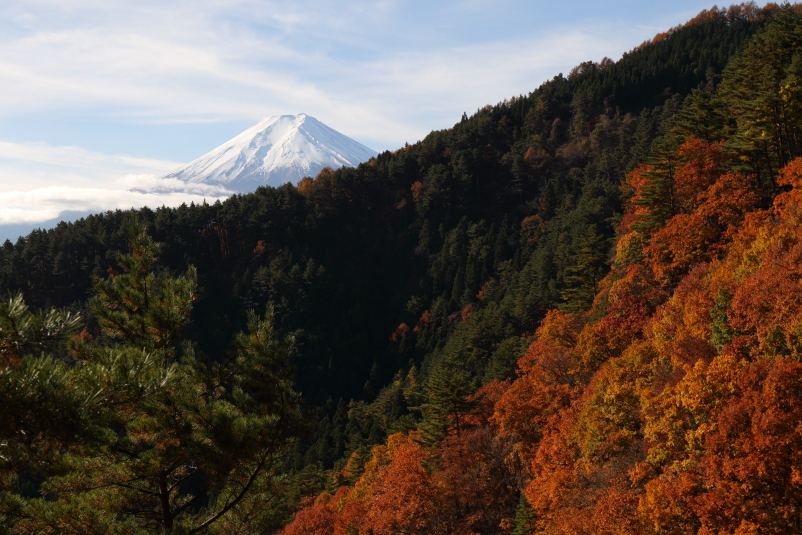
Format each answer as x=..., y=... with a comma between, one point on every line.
x=578, y=311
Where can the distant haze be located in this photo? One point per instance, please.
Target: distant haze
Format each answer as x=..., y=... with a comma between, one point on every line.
x=277, y=150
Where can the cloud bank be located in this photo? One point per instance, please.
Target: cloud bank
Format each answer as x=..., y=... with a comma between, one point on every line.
x=38, y=183
x=42, y=204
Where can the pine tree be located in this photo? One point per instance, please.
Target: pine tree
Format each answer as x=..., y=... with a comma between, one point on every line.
x=138, y=306
x=657, y=198
x=585, y=270
x=23, y=331
x=759, y=90
x=523, y=522
x=148, y=441
x=703, y=117
x=446, y=392
x=721, y=333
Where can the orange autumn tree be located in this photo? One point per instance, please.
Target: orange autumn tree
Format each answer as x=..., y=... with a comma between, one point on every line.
x=542, y=388
x=718, y=437
x=672, y=406
x=665, y=340
x=750, y=473
x=403, y=496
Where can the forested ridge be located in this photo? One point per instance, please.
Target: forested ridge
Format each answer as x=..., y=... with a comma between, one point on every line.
x=576, y=311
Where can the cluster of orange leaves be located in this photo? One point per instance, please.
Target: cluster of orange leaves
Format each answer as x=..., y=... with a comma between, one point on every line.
x=626, y=418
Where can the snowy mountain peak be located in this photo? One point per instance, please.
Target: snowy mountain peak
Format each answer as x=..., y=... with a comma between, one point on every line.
x=274, y=151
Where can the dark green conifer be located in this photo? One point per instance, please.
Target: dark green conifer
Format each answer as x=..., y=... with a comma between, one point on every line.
x=524, y=519
x=721, y=333
x=761, y=93
x=446, y=391
x=585, y=270
x=147, y=442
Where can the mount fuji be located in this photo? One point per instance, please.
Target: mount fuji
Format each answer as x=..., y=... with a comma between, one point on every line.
x=276, y=150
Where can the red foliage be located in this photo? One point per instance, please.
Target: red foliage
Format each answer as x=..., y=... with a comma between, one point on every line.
x=305, y=185
x=554, y=478
x=700, y=170
x=789, y=203
x=628, y=419
x=417, y=190
x=681, y=328
x=524, y=409
x=616, y=511
x=423, y=321
x=315, y=520
x=633, y=299
x=701, y=234
x=476, y=488
x=404, y=499
x=634, y=186
x=401, y=332
x=752, y=472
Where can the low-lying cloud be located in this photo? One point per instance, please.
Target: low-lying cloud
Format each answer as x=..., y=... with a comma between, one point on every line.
x=43, y=204
x=39, y=182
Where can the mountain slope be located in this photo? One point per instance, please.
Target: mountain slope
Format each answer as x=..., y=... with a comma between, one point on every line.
x=428, y=271
x=276, y=150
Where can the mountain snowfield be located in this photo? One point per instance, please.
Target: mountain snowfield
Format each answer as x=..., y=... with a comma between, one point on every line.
x=276, y=150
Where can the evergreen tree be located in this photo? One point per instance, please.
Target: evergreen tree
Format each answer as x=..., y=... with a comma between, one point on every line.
x=524, y=520
x=703, y=117
x=721, y=333
x=446, y=403
x=140, y=307
x=759, y=90
x=658, y=197
x=148, y=442
x=585, y=270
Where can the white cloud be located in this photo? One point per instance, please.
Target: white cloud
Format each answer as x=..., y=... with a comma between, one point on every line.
x=25, y=166
x=43, y=204
x=156, y=185
x=39, y=182
x=373, y=72
x=77, y=157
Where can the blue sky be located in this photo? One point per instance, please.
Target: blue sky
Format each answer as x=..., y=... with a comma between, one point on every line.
x=99, y=96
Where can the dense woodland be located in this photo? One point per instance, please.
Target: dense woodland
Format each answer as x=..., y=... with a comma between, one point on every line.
x=577, y=311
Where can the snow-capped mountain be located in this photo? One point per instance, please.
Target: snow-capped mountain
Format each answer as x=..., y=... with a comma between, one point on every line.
x=276, y=150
